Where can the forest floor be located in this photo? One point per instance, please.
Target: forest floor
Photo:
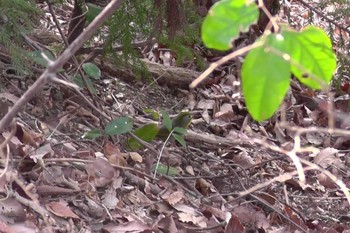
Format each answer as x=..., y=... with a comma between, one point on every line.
x=234, y=175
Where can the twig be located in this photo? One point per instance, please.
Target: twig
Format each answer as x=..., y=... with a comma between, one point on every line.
x=311, y=166
x=33, y=205
x=5, y=144
x=223, y=60
x=82, y=74
x=57, y=23
x=161, y=152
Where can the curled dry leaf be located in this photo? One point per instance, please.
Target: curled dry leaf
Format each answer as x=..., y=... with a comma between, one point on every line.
x=203, y=186
x=39, y=153
x=326, y=181
x=249, y=215
x=83, y=113
x=175, y=197
x=27, y=137
x=168, y=224
x=297, y=184
x=61, y=209
x=109, y=199
x=11, y=210
x=315, y=138
x=100, y=172
x=225, y=113
x=206, y=104
x=234, y=225
x=327, y=157
x=190, y=170
x=114, y=155
x=295, y=218
x=136, y=157
x=196, y=219
x=131, y=226
x=243, y=158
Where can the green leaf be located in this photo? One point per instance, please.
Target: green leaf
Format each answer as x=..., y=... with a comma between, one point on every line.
x=37, y=56
x=166, y=120
x=92, y=70
x=313, y=60
x=147, y=133
x=119, y=126
x=154, y=114
x=226, y=19
x=265, y=78
x=180, y=131
x=180, y=139
x=77, y=79
x=164, y=169
x=92, y=134
x=92, y=12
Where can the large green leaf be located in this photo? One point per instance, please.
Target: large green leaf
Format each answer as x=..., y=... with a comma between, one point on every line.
x=40, y=57
x=180, y=139
x=92, y=134
x=77, y=79
x=92, y=70
x=313, y=61
x=154, y=114
x=164, y=169
x=226, y=19
x=265, y=78
x=92, y=12
x=166, y=120
x=119, y=126
x=147, y=133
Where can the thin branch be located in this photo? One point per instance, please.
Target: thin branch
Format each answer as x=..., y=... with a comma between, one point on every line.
x=222, y=61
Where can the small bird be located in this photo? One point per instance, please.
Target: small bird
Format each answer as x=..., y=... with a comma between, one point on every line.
x=182, y=120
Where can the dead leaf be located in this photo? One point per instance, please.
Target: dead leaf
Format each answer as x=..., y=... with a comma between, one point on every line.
x=136, y=157
x=234, y=225
x=175, y=197
x=225, y=113
x=61, y=209
x=297, y=184
x=249, y=215
x=26, y=137
x=295, y=218
x=168, y=224
x=11, y=210
x=109, y=199
x=315, y=138
x=190, y=170
x=206, y=104
x=100, y=172
x=196, y=219
x=326, y=157
x=242, y=158
x=214, y=211
x=114, y=155
x=38, y=154
x=83, y=113
x=326, y=181
x=203, y=186
x=131, y=226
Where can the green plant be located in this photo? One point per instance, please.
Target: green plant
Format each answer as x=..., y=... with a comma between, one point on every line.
x=267, y=68
x=121, y=125
x=16, y=18
x=170, y=128
x=92, y=72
